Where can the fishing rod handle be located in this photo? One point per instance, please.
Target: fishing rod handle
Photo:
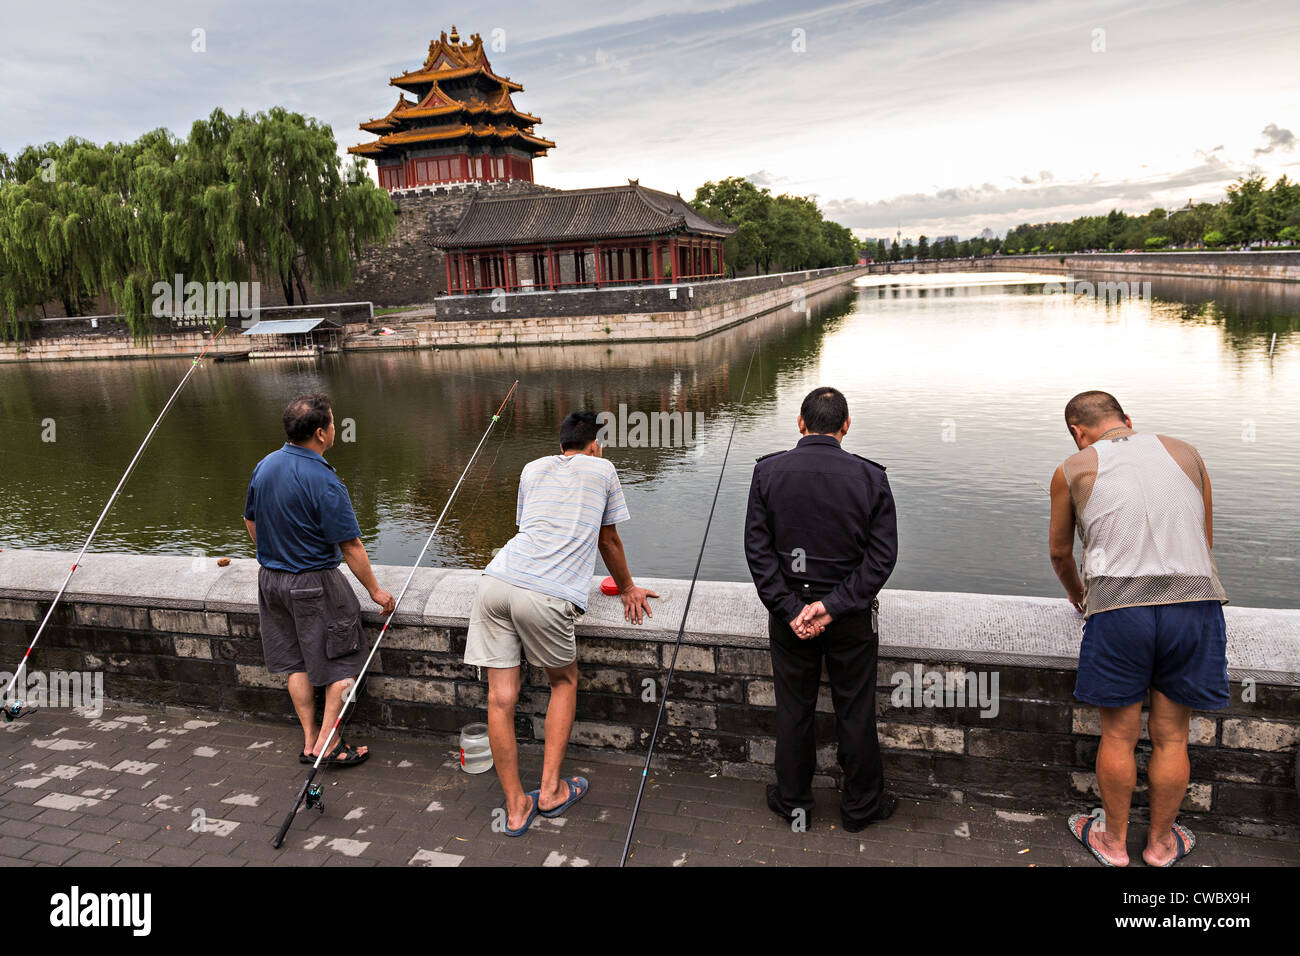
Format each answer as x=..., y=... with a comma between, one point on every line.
x=288, y=821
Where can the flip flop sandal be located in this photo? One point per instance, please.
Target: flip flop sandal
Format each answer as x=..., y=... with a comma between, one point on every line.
x=1185, y=840
x=1083, y=837
x=351, y=756
x=577, y=790
x=306, y=758
x=532, y=815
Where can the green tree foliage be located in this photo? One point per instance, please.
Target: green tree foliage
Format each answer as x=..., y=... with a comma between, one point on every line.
x=1251, y=212
x=244, y=198
x=782, y=233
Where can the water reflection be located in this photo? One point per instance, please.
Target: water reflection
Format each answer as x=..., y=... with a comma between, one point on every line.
x=957, y=390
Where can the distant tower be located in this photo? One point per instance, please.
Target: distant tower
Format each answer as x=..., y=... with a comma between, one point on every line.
x=461, y=127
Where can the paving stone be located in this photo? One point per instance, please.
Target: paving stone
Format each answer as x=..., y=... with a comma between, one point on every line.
x=175, y=856
x=96, y=842
x=132, y=831
x=411, y=804
x=15, y=847
x=137, y=851
x=22, y=828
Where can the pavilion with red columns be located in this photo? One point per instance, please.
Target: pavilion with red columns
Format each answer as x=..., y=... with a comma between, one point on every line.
x=581, y=238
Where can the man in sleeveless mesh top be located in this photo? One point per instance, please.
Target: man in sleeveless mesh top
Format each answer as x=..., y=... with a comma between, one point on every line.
x=1152, y=603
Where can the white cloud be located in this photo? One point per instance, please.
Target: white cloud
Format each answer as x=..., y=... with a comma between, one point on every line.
x=1278, y=138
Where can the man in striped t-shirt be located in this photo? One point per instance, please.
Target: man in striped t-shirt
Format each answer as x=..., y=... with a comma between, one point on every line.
x=531, y=595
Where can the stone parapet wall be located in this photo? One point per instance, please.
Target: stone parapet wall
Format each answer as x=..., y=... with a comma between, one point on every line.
x=1266, y=266
x=719, y=306
x=183, y=631
x=1262, y=265
x=618, y=300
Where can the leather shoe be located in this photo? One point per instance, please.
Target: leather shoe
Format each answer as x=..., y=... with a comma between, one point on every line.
x=888, y=803
x=774, y=804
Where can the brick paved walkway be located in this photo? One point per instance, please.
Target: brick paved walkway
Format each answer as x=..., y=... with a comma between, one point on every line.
x=135, y=787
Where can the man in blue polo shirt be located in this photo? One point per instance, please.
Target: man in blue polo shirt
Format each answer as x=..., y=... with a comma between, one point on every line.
x=300, y=517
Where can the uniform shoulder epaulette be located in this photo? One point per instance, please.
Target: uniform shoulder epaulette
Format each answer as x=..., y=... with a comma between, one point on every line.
x=869, y=461
x=771, y=454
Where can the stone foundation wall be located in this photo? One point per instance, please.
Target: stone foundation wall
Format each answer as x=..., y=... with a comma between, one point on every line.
x=715, y=306
x=731, y=302
x=407, y=270
x=182, y=631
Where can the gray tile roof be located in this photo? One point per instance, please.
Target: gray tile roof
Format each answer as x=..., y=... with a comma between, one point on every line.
x=607, y=212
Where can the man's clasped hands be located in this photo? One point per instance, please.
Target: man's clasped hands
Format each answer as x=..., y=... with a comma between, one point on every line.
x=811, y=621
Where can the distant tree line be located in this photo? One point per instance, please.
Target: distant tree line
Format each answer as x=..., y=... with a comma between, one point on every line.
x=1251, y=213
x=244, y=197
x=774, y=233
x=946, y=248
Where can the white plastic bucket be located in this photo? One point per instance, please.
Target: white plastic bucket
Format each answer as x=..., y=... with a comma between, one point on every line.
x=475, y=752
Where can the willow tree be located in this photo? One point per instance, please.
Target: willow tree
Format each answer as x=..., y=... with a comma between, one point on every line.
x=298, y=218
x=242, y=198
x=46, y=228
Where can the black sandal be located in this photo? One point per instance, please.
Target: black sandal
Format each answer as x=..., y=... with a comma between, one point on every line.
x=345, y=755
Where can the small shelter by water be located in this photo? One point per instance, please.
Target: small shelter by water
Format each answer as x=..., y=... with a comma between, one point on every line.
x=295, y=338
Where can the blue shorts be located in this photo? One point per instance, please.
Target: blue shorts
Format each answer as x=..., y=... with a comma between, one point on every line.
x=1179, y=649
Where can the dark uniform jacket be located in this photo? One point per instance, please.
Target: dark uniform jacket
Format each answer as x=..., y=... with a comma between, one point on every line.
x=820, y=527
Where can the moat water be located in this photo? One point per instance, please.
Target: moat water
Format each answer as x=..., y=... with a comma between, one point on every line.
x=955, y=383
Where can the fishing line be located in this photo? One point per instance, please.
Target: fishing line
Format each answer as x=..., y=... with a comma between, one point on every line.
x=488, y=472
x=14, y=709
x=312, y=792
x=681, y=627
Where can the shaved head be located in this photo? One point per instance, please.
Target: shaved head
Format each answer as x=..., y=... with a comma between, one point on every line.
x=1090, y=409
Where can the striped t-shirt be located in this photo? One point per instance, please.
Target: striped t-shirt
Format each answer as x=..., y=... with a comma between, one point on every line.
x=563, y=501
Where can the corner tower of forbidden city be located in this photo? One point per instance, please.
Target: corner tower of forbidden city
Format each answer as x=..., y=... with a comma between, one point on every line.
x=461, y=126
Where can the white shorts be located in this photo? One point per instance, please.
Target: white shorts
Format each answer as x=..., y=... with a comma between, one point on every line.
x=506, y=618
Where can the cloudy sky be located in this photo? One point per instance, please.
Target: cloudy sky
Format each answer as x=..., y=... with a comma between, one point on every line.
x=937, y=117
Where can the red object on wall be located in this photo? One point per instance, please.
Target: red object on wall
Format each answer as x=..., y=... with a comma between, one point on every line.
x=608, y=586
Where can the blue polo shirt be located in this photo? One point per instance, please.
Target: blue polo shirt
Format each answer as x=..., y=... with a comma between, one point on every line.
x=302, y=511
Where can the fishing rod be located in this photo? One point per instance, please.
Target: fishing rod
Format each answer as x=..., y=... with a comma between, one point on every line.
x=16, y=708
x=681, y=628
x=311, y=792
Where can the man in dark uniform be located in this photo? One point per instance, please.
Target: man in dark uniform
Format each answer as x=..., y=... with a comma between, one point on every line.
x=821, y=541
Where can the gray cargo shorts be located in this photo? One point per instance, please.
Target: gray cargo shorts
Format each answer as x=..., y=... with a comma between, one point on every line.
x=310, y=621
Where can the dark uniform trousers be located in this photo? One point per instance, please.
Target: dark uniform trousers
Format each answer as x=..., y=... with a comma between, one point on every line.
x=849, y=648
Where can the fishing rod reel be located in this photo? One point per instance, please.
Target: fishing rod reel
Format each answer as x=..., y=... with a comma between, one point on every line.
x=16, y=709
x=315, y=798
